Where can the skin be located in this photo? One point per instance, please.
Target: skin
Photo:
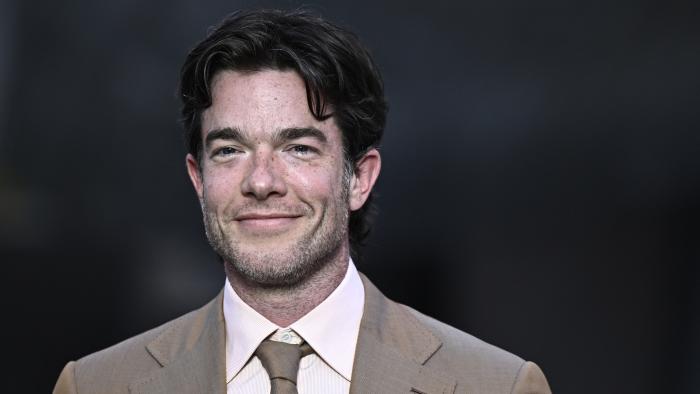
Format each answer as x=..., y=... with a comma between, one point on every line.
x=275, y=192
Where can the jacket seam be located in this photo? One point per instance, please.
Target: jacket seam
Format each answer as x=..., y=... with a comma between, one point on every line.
x=517, y=375
x=75, y=376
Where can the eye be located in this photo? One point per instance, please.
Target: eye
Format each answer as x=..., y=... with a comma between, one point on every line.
x=224, y=152
x=302, y=150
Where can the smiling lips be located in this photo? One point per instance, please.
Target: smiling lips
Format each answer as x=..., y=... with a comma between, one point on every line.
x=266, y=222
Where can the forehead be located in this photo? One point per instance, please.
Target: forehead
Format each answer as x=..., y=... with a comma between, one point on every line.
x=261, y=102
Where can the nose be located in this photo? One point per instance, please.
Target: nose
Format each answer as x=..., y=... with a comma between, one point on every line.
x=264, y=178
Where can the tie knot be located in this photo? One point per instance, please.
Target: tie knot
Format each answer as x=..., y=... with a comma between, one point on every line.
x=280, y=356
x=280, y=360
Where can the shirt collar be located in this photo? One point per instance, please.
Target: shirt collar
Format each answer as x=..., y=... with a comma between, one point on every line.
x=245, y=329
x=331, y=328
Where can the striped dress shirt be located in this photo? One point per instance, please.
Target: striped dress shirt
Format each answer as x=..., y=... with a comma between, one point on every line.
x=331, y=329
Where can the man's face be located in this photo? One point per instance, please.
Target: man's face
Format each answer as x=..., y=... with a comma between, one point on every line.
x=272, y=182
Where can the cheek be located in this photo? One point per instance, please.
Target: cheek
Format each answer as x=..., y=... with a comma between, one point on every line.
x=316, y=183
x=309, y=182
x=218, y=190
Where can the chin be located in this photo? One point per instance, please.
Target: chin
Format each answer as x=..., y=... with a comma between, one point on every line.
x=281, y=263
x=273, y=269
x=279, y=260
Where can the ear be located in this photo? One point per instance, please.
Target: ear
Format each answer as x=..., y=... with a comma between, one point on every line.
x=364, y=177
x=195, y=174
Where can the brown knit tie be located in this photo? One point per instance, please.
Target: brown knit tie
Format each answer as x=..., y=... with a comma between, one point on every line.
x=281, y=361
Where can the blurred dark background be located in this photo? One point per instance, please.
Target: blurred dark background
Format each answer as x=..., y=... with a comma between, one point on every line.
x=540, y=187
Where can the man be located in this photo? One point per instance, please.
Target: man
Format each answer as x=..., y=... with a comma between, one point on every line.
x=283, y=114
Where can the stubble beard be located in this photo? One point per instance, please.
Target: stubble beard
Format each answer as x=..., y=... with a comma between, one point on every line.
x=283, y=267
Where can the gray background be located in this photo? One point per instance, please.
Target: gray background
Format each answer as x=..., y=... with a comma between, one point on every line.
x=540, y=187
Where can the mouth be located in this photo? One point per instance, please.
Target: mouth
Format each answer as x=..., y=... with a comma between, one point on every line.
x=264, y=223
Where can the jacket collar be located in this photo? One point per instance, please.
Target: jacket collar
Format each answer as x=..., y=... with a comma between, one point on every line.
x=191, y=353
x=392, y=350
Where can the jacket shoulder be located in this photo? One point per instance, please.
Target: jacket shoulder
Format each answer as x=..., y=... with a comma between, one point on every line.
x=115, y=367
x=479, y=366
x=463, y=343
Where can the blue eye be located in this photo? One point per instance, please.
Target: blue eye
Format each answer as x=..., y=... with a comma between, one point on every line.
x=225, y=151
x=305, y=151
x=301, y=149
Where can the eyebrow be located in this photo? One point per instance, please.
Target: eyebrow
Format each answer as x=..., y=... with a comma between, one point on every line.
x=227, y=133
x=293, y=133
x=280, y=136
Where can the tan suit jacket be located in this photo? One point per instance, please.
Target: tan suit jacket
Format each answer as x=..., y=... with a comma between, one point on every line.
x=399, y=350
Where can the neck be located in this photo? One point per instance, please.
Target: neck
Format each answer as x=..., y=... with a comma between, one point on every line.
x=285, y=305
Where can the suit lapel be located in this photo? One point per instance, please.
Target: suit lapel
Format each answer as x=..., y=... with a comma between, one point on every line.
x=392, y=349
x=192, y=355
